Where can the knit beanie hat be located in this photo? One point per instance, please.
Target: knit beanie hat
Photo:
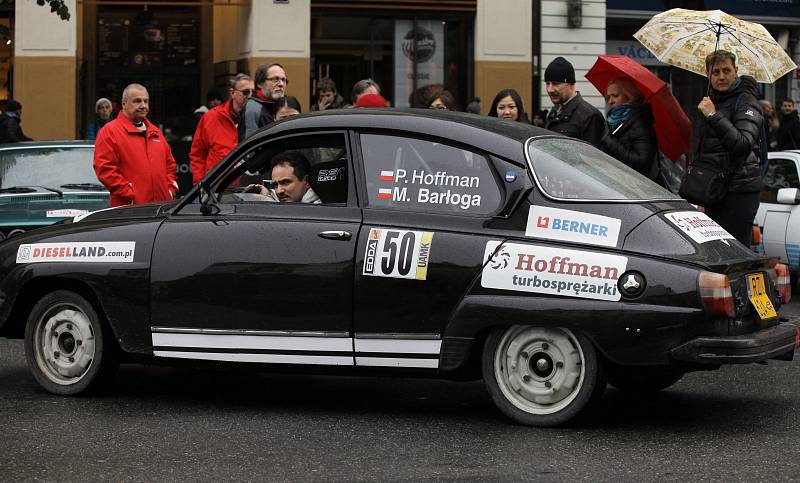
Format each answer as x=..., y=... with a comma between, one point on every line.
x=560, y=70
x=101, y=102
x=13, y=106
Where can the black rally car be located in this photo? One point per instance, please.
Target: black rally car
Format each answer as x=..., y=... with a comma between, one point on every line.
x=445, y=244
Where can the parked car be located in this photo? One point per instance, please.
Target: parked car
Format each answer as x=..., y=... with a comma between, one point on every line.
x=45, y=182
x=445, y=244
x=778, y=214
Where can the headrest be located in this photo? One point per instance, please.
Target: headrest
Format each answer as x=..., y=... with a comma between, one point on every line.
x=329, y=180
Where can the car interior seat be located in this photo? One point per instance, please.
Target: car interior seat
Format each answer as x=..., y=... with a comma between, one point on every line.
x=329, y=180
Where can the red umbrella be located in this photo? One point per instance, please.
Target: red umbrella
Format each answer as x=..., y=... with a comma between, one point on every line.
x=672, y=126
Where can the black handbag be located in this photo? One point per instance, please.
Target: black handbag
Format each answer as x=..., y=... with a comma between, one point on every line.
x=704, y=184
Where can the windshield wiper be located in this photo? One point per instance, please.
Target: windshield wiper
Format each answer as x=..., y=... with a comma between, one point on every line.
x=29, y=189
x=84, y=186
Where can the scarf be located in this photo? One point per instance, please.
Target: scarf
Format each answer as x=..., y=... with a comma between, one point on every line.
x=619, y=114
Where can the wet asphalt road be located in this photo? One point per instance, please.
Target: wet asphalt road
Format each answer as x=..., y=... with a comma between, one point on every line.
x=162, y=424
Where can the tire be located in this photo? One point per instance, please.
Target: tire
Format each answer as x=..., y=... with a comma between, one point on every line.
x=69, y=349
x=642, y=380
x=541, y=376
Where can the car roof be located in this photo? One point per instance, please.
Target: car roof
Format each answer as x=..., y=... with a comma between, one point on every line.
x=499, y=136
x=48, y=144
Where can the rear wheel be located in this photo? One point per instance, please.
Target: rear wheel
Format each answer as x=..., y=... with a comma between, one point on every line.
x=540, y=376
x=68, y=348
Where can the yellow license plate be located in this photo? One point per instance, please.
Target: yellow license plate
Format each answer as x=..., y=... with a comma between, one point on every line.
x=758, y=296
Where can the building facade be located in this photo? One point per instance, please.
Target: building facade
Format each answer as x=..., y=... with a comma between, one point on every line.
x=182, y=49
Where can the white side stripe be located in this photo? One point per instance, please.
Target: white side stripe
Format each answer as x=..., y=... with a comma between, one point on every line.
x=264, y=358
x=397, y=362
x=214, y=341
x=400, y=346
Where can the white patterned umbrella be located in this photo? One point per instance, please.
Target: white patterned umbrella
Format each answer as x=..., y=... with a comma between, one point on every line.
x=684, y=38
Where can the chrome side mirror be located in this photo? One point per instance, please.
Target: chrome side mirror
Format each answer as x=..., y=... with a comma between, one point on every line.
x=789, y=196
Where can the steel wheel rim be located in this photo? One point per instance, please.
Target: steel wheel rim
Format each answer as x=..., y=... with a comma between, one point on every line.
x=539, y=370
x=64, y=344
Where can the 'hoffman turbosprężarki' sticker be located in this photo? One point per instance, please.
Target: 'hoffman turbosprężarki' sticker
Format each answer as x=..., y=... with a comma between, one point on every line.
x=397, y=253
x=438, y=188
x=553, y=271
x=574, y=226
x=107, y=252
x=698, y=226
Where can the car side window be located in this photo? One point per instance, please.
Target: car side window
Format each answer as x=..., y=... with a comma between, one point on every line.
x=321, y=160
x=782, y=173
x=422, y=175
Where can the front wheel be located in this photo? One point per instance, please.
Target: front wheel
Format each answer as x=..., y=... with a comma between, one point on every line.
x=541, y=376
x=68, y=348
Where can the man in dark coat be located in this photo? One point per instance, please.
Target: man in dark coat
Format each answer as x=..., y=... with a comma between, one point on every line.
x=10, y=128
x=571, y=115
x=789, y=130
x=729, y=136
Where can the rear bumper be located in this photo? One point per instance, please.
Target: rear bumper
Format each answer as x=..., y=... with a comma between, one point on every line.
x=777, y=341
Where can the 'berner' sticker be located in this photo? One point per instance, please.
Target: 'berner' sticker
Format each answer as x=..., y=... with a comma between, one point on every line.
x=553, y=271
x=397, y=253
x=574, y=226
x=109, y=252
x=698, y=226
x=65, y=213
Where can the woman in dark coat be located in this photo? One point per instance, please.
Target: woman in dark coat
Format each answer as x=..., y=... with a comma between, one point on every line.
x=631, y=137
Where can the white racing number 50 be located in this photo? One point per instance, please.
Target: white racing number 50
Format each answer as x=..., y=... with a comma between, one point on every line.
x=397, y=253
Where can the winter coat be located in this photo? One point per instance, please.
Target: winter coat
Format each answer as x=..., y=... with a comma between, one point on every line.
x=10, y=128
x=729, y=138
x=136, y=167
x=215, y=137
x=789, y=132
x=634, y=142
x=577, y=119
x=258, y=112
x=94, y=127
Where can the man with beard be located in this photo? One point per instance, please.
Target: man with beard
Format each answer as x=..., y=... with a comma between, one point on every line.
x=259, y=111
x=789, y=129
x=131, y=157
x=728, y=138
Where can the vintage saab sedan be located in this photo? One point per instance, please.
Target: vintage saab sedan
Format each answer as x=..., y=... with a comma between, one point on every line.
x=430, y=243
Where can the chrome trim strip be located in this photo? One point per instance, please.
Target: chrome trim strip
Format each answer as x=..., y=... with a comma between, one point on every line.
x=398, y=346
x=261, y=358
x=250, y=341
x=397, y=362
x=268, y=333
x=578, y=200
x=393, y=335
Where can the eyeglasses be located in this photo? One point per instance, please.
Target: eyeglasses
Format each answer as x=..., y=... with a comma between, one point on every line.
x=245, y=92
x=277, y=79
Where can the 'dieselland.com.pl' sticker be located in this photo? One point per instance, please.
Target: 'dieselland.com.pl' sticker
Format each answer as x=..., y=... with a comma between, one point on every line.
x=109, y=252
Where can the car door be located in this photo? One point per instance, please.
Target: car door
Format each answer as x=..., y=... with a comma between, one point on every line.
x=260, y=281
x=780, y=222
x=420, y=247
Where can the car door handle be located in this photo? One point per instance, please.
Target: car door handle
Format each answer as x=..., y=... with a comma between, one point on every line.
x=335, y=235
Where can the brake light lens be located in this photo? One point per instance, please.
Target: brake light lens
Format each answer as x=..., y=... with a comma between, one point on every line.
x=756, y=235
x=716, y=295
x=783, y=282
x=797, y=339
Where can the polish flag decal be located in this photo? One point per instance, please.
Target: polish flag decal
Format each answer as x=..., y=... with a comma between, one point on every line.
x=387, y=175
x=385, y=193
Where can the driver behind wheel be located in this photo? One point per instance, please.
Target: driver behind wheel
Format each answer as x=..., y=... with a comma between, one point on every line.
x=290, y=176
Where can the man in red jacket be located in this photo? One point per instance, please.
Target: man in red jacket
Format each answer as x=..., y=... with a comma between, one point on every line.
x=216, y=134
x=131, y=157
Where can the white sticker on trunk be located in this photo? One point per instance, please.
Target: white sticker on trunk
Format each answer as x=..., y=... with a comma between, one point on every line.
x=65, y=213
x=552, y=271
x=397, y=253
x=698, y=226
x=108, y=252
x=574, y=226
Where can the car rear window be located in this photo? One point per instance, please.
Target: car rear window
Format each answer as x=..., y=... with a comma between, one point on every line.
x=47, y=167
x=569, y=169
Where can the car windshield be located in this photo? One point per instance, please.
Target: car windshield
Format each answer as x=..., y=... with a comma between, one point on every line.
x=47, y=167
x=569, y=169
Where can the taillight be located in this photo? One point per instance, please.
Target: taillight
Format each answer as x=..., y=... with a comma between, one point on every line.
x=783, y=282
x=756, y=235
x=716, y=294
x=797, y=339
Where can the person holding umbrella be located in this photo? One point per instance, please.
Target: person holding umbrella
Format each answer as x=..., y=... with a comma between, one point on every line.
x=631, y=137
x=727, y=138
